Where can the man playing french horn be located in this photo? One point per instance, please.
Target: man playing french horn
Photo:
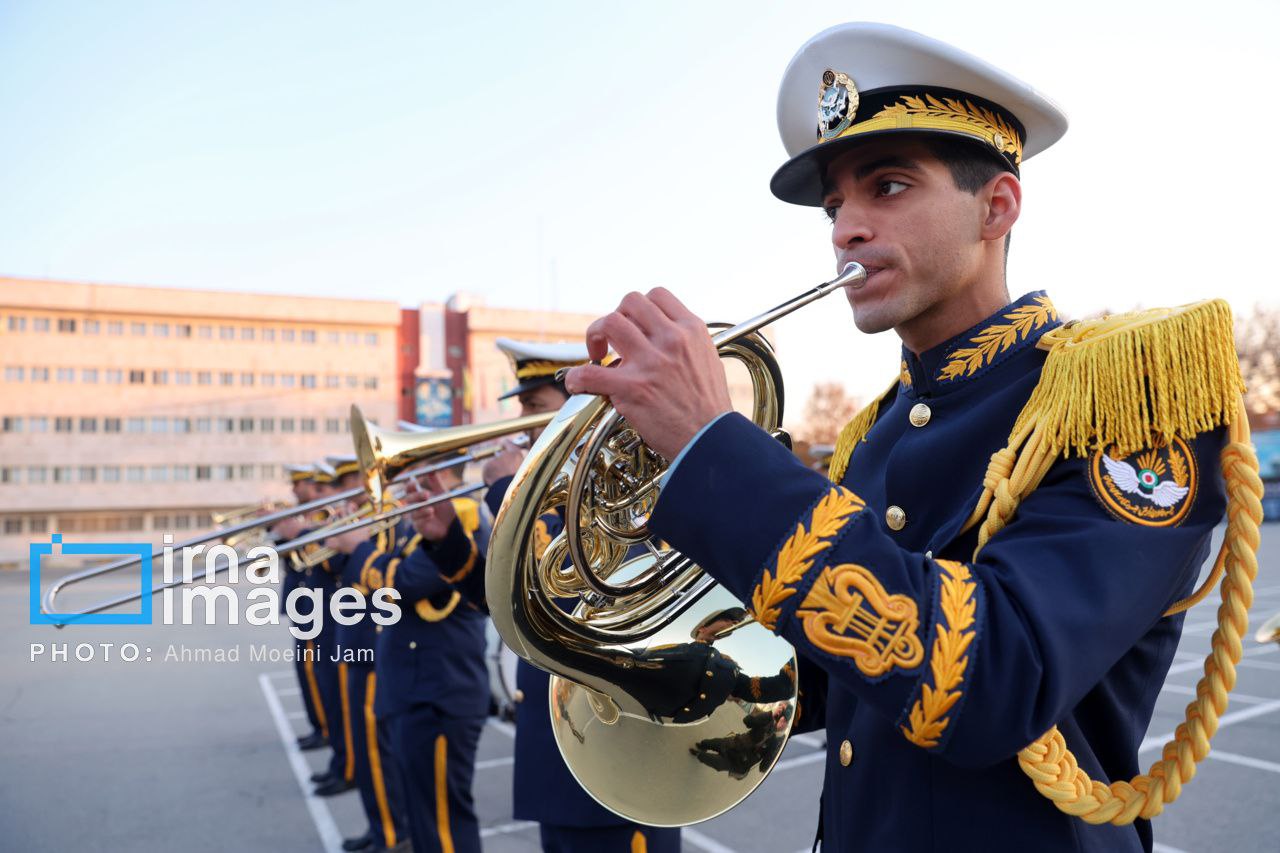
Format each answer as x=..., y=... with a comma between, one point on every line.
x=990, y=584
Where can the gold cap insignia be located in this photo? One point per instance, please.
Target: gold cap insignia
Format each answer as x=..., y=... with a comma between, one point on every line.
x=837, y=104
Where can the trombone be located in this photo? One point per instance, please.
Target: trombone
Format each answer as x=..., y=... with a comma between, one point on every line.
x=385, y=457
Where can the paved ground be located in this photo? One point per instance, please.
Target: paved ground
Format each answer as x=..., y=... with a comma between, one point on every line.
x=157, y=756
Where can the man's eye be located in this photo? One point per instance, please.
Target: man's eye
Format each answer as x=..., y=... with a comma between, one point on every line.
x=831, y=210
x=887, y=188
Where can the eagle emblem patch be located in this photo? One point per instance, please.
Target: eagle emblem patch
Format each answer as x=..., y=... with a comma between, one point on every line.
x=1154, y=487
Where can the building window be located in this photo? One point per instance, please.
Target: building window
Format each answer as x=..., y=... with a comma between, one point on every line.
x=115, y=327
x=267, y=472
x=160, y=522
x=12, y=526
x=39, y=374
x=91, y=327
x=63, y=424
x=159, y=424
x=246, y=333
x=136, y=425
x=246, y=379
x=181, y=522
x=246, y=424
x=226, y=333
x=10, y=475
x=308, y=424
x=371, y=383
x=88, y=424
x=227, y=378
x=226, y=424
x=204, y=424
x=159, y=473
x=37, y=474
x=12, y=423
x=17, y=324
x=14, y=374
x=39, y=524
x=66, y=325
x=138, y=329
x=332, y=337
x=40, y=324
x=182, y=473
x=182, y=330
x=38, y=423
x=133, y=473
x=223, y=472
x=203, y=519
x=246, y=472
x=114, y=376
x=353, y=338
x=286, y=379
x=137, y=377
x=89, y=374
x=159, y=377
x=268, y=380
x=205, y=332
x=269, y=335
x=286, y=424
x=204, y=377
x=267, y=425
x=110, y=424
x=134, y=522
x=66, y=374
x=371, y=339
x=62, y=474
x=308, y=380
x=88, y=474
x=308, y=336
x=111, y=474
x=160, y=330
x=286, y=336
x=204, y=472
x=182, y=377
x=333, y=425
x=182, y=425
x=332, y=380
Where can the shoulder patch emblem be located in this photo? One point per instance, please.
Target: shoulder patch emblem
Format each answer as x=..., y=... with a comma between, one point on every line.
x=1154, y=487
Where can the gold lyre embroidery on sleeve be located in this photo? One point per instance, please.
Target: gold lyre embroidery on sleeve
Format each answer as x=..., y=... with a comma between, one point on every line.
x=848, y=613
x=798, y=553
x=948, y=659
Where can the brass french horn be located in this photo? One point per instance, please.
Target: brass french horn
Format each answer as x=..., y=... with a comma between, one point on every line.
x=659, y=674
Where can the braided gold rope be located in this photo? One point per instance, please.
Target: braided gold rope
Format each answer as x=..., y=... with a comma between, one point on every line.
x=1047, y=760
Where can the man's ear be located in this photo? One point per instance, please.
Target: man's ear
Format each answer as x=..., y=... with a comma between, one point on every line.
x=1003, y=195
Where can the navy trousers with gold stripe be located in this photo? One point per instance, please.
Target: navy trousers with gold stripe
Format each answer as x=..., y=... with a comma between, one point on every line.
x=304, y=665
x=332, y=685
x=376, y=772
x=437, y=756
x=628, y=838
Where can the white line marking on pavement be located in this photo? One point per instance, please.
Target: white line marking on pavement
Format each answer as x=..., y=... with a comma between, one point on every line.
x=1245, y=761
x=1261, y=664
x=1225, y=720
x=501, y=725
x=1157, y=847
x=1235, y=697
x=504, y=828
x=286, y=691
x=812, y=739
x=800, y=760
x=704, y=842
x=296, y=715
x=330, y=838
x=280, y=673
x=1198, y=663
x=495, y=762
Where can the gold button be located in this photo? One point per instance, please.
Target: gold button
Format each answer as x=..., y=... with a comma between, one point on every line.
x=920, y=414
x=997, y=140
x=518, y=696
x=895, y=517
x=413, y=644
x=846, y=754
x=709, y=675
x=702, y=696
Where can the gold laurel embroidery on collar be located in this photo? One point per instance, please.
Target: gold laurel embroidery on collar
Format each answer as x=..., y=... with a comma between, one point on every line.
x=849, y=614
x=947, y=660
x=904, y=375
x=799, y=551
x=998, y=337
x=933, y=113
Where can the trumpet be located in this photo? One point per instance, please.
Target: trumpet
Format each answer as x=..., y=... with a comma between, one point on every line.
x=621, y=692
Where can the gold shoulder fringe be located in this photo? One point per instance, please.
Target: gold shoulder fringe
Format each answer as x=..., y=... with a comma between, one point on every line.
x=1133, y=379
x=853, y=432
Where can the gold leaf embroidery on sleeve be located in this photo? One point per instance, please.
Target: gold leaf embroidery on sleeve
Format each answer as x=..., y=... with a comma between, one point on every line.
x=799, y=551
x=998, y=337
x=948, y=659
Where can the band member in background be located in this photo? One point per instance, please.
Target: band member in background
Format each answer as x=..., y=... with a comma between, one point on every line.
x=375, y=771
x=545, y=790
x=433, y=692
x=1020, y=511
x=340, y=775
x=301, y=480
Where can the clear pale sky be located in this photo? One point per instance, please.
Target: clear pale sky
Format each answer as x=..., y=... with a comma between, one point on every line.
x=557, y=155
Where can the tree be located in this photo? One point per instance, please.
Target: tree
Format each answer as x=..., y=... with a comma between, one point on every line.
x=828, y=409
x=1258, y=345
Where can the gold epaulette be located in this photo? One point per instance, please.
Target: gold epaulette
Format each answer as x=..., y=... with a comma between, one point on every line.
x=1132, y=380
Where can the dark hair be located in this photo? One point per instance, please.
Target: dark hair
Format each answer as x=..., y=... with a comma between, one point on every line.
x=970, y=167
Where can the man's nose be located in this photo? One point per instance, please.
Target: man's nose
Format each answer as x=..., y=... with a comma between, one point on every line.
x=851, y=227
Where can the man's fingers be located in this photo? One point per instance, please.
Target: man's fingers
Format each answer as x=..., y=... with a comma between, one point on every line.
x=669, y=305
x=594, y=379
x=647, y=317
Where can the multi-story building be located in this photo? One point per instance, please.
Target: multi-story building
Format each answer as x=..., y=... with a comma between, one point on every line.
x=131, y=411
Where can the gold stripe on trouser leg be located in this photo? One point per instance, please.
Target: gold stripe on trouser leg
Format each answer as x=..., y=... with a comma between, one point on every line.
x=348, y=772
x=309, y=667
x=442, y=794
x=375, y=762
x=638, y=843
